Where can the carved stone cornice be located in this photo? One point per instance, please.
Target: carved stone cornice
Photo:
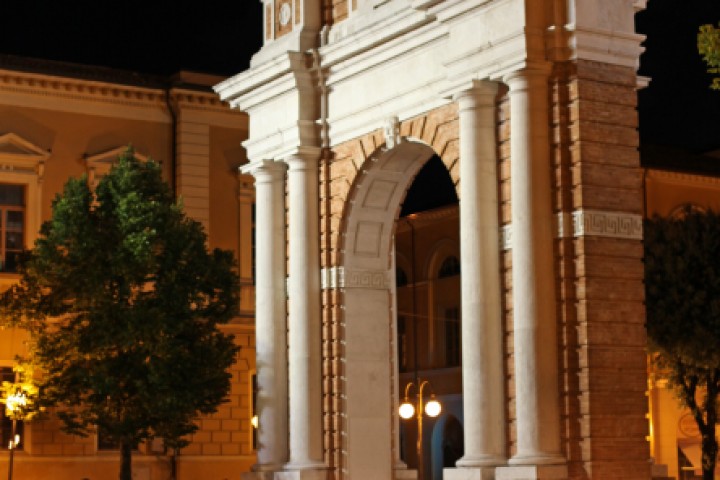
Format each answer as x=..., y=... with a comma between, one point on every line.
x=681, y=178
x=40, y=88
x=71, y=88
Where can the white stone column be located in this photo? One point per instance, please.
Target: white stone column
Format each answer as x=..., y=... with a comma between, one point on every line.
x=306, y=443
x=482, y=352
x=270, y=317
x=537, y=405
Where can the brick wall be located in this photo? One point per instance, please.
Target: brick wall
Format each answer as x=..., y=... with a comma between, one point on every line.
x=601, y=313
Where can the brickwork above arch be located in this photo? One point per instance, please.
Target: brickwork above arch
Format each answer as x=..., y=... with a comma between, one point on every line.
x=437, y=128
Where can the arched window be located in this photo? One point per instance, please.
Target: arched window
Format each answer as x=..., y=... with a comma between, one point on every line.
x=450, y=267
x=686, y=209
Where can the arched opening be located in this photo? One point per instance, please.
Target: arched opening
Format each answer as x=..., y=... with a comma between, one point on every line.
x=447, y=444
x=428, y=304
x=371, y=330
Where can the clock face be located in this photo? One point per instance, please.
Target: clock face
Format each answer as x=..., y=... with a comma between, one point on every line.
x=285, y=14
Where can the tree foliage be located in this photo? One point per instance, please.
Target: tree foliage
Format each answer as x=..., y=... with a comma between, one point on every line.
x=682, y=276
x=123, y=301
x=708, y=42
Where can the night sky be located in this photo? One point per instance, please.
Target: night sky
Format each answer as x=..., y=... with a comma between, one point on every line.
x=219, y=36
x=677, y=109
x=149, y=36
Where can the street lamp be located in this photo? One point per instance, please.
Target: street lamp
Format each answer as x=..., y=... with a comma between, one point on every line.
x=13, y=405
x=431, y=408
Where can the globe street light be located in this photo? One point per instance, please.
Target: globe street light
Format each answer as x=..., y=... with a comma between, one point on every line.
x=432, y=409
x=14, y=403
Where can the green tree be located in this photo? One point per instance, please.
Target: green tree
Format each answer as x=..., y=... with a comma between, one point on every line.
x=682, y=277
x=708, y=42
x=123, y=301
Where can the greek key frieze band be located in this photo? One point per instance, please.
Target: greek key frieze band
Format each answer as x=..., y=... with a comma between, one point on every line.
x=599, y=223
x=588, y=223
x=340, y=277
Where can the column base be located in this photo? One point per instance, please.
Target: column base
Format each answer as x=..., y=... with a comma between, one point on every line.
x=405, y=474
x=307, y=474
x=532, y=472
x=469, y=473
x=257, y=475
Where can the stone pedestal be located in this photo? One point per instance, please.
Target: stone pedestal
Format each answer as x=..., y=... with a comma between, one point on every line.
x=532, y=472
x=476, y=473
x=406, y=474
x=310, y=474
x=257, y=476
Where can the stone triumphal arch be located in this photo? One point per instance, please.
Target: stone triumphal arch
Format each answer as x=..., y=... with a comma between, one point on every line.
x=530, y=104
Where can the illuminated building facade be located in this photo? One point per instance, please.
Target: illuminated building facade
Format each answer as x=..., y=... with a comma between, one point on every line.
x=61, y=120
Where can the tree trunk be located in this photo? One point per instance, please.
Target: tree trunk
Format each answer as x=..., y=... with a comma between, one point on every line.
x=709, y=453
x=125, y=460
x=709, y=441
x=173, y=461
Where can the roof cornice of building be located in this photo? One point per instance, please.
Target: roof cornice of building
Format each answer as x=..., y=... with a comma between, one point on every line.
x=673, y=159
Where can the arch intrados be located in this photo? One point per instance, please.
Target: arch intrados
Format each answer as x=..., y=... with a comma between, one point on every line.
x=374, y=202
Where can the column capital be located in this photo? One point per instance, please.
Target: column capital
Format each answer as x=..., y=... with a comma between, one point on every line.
x=265, y=170
x=478, y=91
x=305, y=159
x=519, y=79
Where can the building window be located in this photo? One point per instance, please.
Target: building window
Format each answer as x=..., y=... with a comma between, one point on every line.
x=449, y=268
x=452, y=336
x=12, y=226
x=7, y=375
x=679, y=213
x=402, y=344
x=254, y=412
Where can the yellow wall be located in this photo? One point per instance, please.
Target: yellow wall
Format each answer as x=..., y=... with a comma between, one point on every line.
x=70, y=120
x=666, y=191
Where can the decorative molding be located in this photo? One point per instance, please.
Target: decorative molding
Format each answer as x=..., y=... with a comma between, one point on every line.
x=21, y=156
x=68, y=87
x=333, y=277
x=391, y=130
x=598, y=223
x=99, y=165
x=506, y=237
x=370, y=279
x=681, y=178
x=340, y=277
x=96, y=96
x=563, y=224
x=587, y=223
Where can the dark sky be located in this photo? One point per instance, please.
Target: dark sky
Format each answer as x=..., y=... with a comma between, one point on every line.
x=150, y=36
x=677, y=109
x=219, y=36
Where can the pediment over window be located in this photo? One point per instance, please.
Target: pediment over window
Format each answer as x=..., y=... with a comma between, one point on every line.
x=21, y=156
x=99, y=164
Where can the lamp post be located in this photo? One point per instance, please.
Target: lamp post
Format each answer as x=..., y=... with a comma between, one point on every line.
x=13, y=405
x=431, y=408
